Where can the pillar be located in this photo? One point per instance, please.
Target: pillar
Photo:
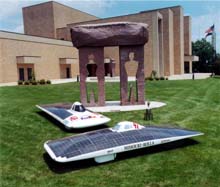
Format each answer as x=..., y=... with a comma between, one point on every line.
x=138, y=57
x=97, y=55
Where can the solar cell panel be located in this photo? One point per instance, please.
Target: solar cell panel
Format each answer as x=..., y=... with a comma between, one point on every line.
x=104, y=139
x=61, y=113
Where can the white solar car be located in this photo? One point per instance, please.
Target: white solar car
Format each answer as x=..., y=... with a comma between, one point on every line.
x=76, y=116
x=103, y=145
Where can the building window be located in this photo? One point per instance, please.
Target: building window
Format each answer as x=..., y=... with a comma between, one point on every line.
x=25, y=72
x=67, y=72
x=21, y=74
x=29, y=73
x=186, y=67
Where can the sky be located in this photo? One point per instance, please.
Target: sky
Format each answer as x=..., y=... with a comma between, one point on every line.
x=204, y=13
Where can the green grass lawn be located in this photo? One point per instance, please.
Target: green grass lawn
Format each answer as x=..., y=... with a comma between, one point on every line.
x=194, y=162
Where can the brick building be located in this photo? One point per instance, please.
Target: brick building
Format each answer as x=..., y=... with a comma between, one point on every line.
x=45, y=47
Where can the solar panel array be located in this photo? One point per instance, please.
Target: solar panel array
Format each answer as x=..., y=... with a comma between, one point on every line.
x=60, y=112
x=104, y=139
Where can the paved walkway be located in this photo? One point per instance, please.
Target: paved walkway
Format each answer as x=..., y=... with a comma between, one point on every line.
x=114, y=106
x=117, y=79
x=190, y=76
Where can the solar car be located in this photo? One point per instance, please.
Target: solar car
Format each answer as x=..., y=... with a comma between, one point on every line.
x=104, y=144
x=75, y=116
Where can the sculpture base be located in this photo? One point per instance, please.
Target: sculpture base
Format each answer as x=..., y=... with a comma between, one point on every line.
x=115, y=106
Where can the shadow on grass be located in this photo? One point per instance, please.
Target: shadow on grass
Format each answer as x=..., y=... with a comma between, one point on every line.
x=62, y=127
x=61, y=168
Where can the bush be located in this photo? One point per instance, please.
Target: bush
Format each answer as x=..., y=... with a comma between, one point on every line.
x=153, y=74
x=33, y=82
x=33, y=76
x=151, y=79
x=42, y=81
x=166, y=78
x=157, y=78
x=48, y=82
x=20, y=82
x=162, y=78
x=26, y=82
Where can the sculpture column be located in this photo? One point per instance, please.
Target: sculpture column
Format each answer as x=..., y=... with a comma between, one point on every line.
x=130, y=37
x=97, y=54
x=132, y=58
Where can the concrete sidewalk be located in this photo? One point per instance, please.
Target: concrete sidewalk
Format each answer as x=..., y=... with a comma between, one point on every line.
x=189, y=76
x=114, y=106
x=117, y=79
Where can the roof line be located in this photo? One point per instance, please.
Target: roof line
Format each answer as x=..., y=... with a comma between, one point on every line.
x=28, y=35
x=158, y=9
x=141, y=12
x=61, y=5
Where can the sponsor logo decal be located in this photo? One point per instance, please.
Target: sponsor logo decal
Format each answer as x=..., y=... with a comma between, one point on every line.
x=138, y=145
x=135, y=125
x=72, y=118
x=87, y=117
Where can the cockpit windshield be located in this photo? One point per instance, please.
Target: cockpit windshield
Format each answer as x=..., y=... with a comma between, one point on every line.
x=79, y=108
x=116, y=127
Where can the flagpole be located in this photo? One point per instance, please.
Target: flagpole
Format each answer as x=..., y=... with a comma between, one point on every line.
x=214, y=40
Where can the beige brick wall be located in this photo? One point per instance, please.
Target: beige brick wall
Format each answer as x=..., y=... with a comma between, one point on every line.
x=178, y=40
x=43, y=19
x=64, y=15
x=168, y=41
x=50, y=51
x=38, y=20
x=113, y=52
x=187, y=36
x=157, y=44
x=62, y=34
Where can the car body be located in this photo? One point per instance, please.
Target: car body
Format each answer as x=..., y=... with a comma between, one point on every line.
x=104, y=144
x=76, y=116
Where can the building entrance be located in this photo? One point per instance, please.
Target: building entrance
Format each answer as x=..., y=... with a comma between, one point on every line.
x=25, y=72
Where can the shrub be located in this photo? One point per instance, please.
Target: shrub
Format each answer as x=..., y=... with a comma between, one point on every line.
x=26, y=82
x=20, y=82
x=153, y=74
x=162, y=78
x=33, y=82
x=147, y=78
x=151, y=79
x=42, y=81
x=166, y=78
x=33, y=76
x=48, y=82
x=157, y=78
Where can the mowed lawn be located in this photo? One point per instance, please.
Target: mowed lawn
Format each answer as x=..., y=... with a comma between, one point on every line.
x=194, y=162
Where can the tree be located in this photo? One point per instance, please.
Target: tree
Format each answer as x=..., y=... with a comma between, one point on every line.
x=216, y=67
x=206, y=53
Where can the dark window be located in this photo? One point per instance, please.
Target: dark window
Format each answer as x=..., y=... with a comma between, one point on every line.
x=186, y=67
x=21, y=74
x=29, y=73
x=67, y=72
x=80, y=108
